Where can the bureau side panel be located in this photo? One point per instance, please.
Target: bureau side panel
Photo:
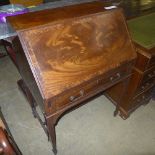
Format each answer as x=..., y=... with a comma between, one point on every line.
x=26, y=73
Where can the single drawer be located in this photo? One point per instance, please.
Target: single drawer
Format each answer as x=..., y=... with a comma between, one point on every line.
x=142, y=98
x=145, y=85
x=151, y=61
x=91, y=87
x=149, y=74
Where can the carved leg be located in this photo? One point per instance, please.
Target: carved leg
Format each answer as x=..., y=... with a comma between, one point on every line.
x=52, y=134
x=28, y=95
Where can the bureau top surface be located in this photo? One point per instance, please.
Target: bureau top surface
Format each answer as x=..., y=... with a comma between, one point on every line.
x=66, y=53
x=32, y=19
x=143, y=30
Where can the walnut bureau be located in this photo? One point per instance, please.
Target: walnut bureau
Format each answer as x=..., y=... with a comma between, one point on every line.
x=139, y=90
x=77, y=55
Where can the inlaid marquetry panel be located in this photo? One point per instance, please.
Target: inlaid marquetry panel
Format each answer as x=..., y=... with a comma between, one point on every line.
x=66, y=53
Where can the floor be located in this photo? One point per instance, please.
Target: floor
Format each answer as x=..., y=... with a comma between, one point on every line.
x=89, y=130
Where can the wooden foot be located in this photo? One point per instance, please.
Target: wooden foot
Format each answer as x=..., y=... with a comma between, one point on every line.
x=123, y=115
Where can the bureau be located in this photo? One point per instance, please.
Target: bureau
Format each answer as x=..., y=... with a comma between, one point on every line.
x=138, y=91
x=71, y=59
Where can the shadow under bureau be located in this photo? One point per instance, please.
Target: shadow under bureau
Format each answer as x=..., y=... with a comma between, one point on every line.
x=71, y=59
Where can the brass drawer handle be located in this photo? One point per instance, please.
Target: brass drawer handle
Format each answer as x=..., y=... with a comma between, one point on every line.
x=75, y=98
x=113, y=78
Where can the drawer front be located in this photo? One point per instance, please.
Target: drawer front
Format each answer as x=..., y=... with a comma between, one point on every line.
x=90, y=88
x=145, y=85
x=150, y=74
x=143, y=98
x=151, y=61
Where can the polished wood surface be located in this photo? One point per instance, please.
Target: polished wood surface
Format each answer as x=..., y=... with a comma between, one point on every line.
x=132, y=8
x=76, y=50
x=66, y=62
x=32, y=19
